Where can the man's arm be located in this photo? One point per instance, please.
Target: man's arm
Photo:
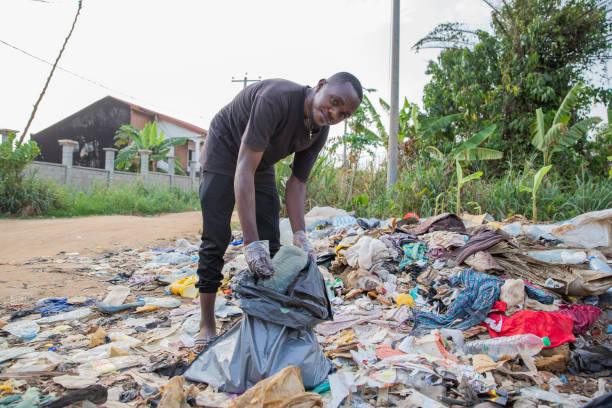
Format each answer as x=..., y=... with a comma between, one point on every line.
x=244, y=190
x=256, y=252
x=295, y=196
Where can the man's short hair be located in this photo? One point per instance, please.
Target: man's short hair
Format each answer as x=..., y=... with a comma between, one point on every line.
x=342, y=77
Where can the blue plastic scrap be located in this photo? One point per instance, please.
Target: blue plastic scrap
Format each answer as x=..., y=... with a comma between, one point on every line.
x=51, y=306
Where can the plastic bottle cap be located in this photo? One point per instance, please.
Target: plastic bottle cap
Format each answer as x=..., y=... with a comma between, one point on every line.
x=546, y=341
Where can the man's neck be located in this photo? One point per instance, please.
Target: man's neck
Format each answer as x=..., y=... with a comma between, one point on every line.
x=308, y=103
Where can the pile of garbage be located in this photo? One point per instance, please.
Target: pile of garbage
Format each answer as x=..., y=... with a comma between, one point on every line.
x=437, y=312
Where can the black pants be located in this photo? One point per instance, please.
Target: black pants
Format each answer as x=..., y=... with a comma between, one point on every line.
x=217, y=200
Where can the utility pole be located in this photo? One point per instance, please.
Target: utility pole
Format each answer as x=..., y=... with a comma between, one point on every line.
x=392, y=152
x=245, y=80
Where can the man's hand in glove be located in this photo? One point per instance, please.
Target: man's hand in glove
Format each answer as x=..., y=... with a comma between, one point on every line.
x=301, y=240
x=257, y=255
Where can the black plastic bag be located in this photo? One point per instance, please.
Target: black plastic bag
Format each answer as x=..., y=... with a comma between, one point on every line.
x=275, y=332
x=594, y=362
x=303, y=307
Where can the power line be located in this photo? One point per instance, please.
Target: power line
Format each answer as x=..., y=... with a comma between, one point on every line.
x=96, y=83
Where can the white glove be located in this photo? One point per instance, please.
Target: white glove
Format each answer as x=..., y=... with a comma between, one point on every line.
x=257, y=255
x=300, y=240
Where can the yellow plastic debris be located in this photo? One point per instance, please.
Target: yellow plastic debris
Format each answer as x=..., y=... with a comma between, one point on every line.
x=146, y=308
x=185, y=287
x=7, y=388
x=404, y=299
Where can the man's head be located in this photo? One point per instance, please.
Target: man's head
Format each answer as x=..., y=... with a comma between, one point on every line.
x=336, y=98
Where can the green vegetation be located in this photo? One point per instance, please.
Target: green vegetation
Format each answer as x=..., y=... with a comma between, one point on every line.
x=147, y=138
x=426, y=187
x=136, y=199
x=537, y=180
x=21, y=194
x=536, y=52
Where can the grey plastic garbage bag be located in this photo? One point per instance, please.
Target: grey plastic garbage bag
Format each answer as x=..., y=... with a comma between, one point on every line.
x=275, y=332
x=254, y=350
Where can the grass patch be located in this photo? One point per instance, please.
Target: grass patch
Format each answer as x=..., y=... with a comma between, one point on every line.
x=135, y=199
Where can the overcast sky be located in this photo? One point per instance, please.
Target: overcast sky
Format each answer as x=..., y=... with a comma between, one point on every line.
x=178, y=57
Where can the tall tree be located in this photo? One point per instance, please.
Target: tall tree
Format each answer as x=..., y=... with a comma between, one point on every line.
x=538, y=50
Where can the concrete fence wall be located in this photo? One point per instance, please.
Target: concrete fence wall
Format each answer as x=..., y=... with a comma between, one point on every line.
x=84, y=178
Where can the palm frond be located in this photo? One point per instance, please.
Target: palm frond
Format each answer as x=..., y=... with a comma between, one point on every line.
x=539, y=130
x=475, y=140
x=553, y=135
x=578, y=131
x=479, y=153
x=440, y=123
x=567, y=105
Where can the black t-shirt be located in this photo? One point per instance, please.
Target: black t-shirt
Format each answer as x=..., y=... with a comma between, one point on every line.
x=269, y=117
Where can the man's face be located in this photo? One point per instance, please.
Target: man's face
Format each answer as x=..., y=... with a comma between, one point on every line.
x=333, y=103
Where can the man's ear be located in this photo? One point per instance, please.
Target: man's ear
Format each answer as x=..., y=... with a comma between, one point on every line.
x=321, y=83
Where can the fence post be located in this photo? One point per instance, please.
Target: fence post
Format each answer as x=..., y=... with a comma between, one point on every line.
x=192, y=172
x=170, y=160
x=144, y=162
x=68, y=147
x=109, y=165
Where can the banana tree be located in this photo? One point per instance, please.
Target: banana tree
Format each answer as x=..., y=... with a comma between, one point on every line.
x=466, y=152
x=537, y=180
x=147, y=138
x=412, y=130
x=558, y=135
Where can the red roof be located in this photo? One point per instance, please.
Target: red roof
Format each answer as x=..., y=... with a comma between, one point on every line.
x=167, y=118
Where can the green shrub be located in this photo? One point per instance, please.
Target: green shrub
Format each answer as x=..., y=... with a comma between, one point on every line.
x=21, y=194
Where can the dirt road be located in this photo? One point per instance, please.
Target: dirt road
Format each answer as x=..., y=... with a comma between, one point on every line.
x=28, y=249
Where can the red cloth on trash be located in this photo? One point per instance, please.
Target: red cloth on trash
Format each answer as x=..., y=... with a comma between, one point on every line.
x=555, y=326
x=583, y=316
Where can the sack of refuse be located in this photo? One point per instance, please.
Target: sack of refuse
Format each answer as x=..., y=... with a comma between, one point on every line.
x=275, y=332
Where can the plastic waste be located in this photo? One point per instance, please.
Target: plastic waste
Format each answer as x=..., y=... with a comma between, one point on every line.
x=108, y=365
x=512, y=229
x=185, y=287
x=551, y=283
x=72, y=315
x=537, y=232
x=288, y=262
x=114, y=309
x=183, y=243
x=116, y=296
x=564, y=400
x=404, y=299
x=343, y=220
x=507, y=346
x=160, y=302
x=560, y=256
x=597, y=264
x=172, y=258
x=191, y=326
x=74, y=382
x=588, y=230
x=286, y=233
x=14, y=352
x=28, y=329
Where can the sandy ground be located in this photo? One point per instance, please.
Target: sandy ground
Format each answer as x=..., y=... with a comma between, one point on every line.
x=28, y=249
